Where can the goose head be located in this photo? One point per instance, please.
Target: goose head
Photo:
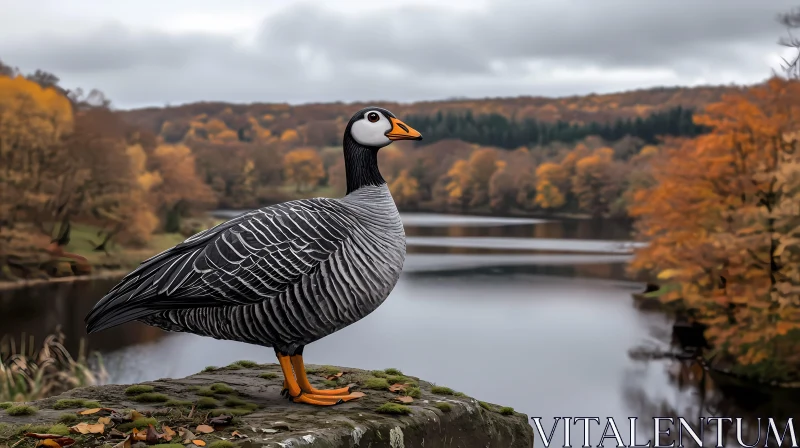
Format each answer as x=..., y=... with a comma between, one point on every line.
x=376, y=127
x=369, y=130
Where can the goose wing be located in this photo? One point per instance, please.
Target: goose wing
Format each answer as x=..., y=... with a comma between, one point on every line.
x=253, y=257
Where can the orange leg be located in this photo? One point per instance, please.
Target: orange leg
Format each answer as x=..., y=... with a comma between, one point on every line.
x=299, y=395
x=305, y=385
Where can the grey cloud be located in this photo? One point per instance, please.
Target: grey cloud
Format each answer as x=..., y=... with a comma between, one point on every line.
x=308, y=53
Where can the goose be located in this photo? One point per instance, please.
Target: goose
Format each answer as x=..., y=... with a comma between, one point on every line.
x=281, y=276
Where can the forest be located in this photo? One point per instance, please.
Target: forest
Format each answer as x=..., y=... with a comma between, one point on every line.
x=710, y=175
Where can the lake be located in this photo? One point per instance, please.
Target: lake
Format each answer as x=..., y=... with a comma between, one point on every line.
x=526, y=313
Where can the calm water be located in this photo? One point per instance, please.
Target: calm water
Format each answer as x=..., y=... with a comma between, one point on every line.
x=525, y=313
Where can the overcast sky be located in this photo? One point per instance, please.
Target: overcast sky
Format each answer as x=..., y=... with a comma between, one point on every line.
x=154, y=52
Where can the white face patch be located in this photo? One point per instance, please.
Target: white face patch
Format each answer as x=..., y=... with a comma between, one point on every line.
x=371, y=129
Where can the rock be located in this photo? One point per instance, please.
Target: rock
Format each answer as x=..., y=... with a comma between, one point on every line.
x=269, y=420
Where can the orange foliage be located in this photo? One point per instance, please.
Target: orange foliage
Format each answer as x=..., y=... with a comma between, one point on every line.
x=303, y=167
x=725, y=206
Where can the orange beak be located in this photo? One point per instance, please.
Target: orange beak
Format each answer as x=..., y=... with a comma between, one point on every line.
x=402, y=131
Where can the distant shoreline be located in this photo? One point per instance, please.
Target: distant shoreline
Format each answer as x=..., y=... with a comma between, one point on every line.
x=10, y=285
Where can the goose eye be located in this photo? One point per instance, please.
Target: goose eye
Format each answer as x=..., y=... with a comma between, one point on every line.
x=373, y=117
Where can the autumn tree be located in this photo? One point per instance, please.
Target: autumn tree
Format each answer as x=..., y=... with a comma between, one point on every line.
x=180, y=189
x=303, y=168
x=550, y=181
x=468, y=180
x=594, y=183
x=721, y=221
x=405, y=190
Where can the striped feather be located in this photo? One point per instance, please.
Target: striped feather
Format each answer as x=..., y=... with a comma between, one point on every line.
x=281, y=276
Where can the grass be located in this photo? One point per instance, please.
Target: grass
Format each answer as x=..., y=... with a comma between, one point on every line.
x=68, y=419
x=441, y=390
x=379, y=374
x=207, y=403
x=21, y=409
x=268, y=375
x=485, y=405
x=210, y=368
x=83, y=240
x=506, y=410
x=61, y=429
x=151, y=397
x=395, y=372
x=394, y=379
x=29, y=372
x=246, y=364
x=205, y=391
x=393, y=409
x=444, y=407
x=377, y=384
x=137, y=389
x=414, y=392
x=138, y=424
x=324, y=370
x=222, y=388
x=235, y=402
x=74, y=403
x=6, y=405
x=222, y=444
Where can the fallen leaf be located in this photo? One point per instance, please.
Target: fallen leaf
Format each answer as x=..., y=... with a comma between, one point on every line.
x=42, y=436
x=104, y=420
x=398, y=387
x=136, y=415
x=57, y=442
x=138, y=435
x=88, y=428
x=199, y=442
x=124, y=444
x=187, y=435
x=404, y=399
x=223, y=419
x=238, y=435
x=151, y=436
x=204, y=429
x=334, y=377
x=357, y=394
x=168, y=433
x=191, y=413
x=95, y=411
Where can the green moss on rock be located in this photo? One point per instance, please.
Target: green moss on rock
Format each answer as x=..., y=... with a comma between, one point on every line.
x=151, y=397
x=21, y=409
x=393, y=409
x=74, y=403
x=377, y=384
x=138, y=424
x=221, y=388
x=506, y=410
x=444, y=407
x=441, y=390
x=137, y=389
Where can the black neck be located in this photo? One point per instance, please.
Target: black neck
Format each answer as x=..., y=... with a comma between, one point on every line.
x=360, y=165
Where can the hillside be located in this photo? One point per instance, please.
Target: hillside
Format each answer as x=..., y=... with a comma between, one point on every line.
x=199, y=120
